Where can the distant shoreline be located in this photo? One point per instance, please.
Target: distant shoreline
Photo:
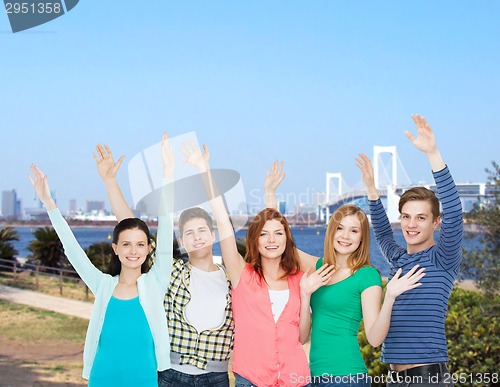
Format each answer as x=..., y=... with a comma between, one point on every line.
x=468, y=227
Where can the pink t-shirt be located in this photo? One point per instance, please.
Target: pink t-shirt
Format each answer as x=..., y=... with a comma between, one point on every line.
x=265, y=352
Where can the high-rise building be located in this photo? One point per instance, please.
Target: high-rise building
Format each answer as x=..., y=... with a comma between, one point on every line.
x=11, y=205
x=282, y=207
x=72, y=206
x=94, y=205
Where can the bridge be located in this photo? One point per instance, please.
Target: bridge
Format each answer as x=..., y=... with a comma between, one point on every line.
x=390, y=189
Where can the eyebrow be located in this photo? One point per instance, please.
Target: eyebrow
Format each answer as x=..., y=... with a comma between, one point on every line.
x=196, y=228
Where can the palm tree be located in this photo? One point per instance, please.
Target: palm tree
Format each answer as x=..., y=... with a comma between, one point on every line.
x=46, y=249
x=100, y=254
x=7, y=251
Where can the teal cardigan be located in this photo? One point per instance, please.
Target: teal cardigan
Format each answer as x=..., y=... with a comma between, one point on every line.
x=151, y=286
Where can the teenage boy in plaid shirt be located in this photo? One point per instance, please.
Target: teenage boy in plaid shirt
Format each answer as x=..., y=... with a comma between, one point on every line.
x=198, y=300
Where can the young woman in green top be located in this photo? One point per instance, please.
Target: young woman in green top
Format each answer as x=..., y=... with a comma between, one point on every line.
x=354, y=293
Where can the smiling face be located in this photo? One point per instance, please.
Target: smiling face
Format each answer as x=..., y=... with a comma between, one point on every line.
x=347, y=237
x=272, y=240
x=132, y=248
x=418, y=225
x=197, y=237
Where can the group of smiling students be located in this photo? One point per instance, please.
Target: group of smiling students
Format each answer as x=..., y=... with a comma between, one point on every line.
x=176, y=323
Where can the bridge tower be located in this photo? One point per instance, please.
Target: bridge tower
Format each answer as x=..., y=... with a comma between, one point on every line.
x=330, y=176
x=392, y=197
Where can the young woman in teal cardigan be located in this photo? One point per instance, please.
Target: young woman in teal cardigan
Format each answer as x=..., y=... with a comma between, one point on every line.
x=127, y=338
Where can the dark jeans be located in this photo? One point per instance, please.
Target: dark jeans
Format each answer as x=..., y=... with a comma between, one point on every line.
x=429, y=375
x=173, y=378
x=353, y=380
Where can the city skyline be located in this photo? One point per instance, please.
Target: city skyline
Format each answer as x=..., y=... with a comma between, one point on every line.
x=311, y=84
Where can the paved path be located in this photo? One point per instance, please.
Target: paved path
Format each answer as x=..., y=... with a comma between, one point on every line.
x=62, y=305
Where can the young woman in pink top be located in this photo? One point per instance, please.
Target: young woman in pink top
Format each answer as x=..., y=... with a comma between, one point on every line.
x=271, y=323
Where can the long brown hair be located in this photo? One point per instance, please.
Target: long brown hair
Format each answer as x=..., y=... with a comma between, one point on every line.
x=290, y=262
x=360, y=257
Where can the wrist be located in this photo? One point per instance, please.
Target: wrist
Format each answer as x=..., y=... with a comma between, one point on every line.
x=50, y=204
x=109, y=180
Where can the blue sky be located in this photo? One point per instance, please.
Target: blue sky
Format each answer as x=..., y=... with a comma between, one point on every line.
x=308, y=82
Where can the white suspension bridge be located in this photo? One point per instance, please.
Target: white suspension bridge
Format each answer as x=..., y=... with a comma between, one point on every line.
x=390, y=186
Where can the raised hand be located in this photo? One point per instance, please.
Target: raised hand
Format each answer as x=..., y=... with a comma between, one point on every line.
x=167, y=157
x=41, y=185
x=193, y=156
x=365, y=165
x=425, y=140
x=106, y=166
x=274, y=177
x=397, y=285
x=310, y=282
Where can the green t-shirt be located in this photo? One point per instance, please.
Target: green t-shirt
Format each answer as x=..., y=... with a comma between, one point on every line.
x=336, y=315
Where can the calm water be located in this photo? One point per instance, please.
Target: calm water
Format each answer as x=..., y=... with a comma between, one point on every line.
x=309, y=240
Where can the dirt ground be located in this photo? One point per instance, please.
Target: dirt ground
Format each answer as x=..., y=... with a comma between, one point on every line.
x=40, y=364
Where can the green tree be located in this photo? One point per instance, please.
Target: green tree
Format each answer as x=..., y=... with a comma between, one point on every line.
x=100, y=254
x=7, y=250
x=483, y=264
x=241, y=245
x=47, y=250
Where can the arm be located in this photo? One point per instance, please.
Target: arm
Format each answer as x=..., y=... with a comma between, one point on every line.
x=309, y=283
x=77, y=257
x=232, y=259
x=377, y=320
x=451, y=234
x=164, y=250
x=273, y=179
x=108, y=169
x=380, y=223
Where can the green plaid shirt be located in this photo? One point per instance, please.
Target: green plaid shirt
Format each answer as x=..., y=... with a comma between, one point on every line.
x=195, y=348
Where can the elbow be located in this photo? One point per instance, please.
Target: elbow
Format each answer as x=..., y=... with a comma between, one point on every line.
x=303, y=339
x=374, y=341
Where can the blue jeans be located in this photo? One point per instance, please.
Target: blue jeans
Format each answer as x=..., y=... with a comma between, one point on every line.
x=242, y=382
x=352, y=380
x=173, y=378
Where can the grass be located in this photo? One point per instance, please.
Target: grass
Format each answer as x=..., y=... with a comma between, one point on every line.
x=71, y=288
x=32, y=325
x=39, y=347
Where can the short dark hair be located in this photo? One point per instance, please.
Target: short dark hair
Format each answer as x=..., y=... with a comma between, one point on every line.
x=194, y=213
x=115, y=266
x=420, y=193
